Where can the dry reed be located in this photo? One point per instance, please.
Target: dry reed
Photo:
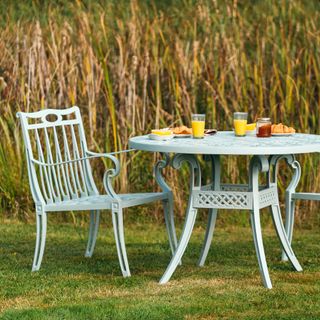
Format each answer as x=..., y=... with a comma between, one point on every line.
x=132, y=68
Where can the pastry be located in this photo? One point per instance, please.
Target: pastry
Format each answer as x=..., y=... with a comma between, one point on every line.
x=181, y=130
x=280, y=128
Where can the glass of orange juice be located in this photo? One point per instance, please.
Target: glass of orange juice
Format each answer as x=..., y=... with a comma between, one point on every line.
x=197, y=123
x=240, y=123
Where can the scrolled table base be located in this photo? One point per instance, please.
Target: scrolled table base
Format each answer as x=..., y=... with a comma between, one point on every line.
x=225, y=196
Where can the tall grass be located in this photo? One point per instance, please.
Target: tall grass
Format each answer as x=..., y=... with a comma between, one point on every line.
x=132, y=66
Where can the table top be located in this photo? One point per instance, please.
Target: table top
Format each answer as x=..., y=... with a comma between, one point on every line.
x=226, y=143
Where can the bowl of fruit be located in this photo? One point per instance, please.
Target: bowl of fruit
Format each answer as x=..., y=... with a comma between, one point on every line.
x=251, y=129
x=161, y=134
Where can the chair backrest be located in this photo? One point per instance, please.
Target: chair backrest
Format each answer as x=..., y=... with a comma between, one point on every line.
x=56, y=147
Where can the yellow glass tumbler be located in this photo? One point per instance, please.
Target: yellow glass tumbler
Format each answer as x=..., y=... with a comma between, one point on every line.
x=198, y=121
x=240, y=120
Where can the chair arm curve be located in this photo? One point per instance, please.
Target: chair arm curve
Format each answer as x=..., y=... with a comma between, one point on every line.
x=110, y=173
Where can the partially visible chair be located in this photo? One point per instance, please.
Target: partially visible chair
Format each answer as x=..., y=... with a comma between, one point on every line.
x=60, y=177
x=292, y=196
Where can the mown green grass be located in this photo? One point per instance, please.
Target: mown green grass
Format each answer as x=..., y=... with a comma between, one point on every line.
x=70, y=286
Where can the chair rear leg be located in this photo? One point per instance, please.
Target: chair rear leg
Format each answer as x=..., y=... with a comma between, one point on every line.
x=40, y=240
x=93, y=232
x=117, y=220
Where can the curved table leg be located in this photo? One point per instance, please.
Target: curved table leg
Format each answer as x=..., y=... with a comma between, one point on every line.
x=290, y=203
x=277, y=220
x=216, y=173
x=258, y=164
x=167, y=203
x=195, y=179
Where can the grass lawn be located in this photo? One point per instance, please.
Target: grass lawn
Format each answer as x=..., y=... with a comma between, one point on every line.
x=70, y=286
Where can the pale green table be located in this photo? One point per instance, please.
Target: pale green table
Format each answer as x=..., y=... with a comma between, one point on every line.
x=265, y=152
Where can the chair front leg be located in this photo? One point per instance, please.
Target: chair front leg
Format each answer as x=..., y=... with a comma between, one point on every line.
x=93, y=232
x=117, y=221
x=41, y=217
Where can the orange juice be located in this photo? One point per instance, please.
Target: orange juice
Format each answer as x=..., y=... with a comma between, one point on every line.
x=240, y=127
x=197, y=129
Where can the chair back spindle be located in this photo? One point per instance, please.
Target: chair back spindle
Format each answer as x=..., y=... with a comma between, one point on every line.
x=56, y=147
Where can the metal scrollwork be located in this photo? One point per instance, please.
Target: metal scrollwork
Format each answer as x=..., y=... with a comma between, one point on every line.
x=195, y=172
x=295, y=165
x=109, y=175
x=157, y=170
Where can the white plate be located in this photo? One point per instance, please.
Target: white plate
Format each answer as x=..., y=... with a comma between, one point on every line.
x=158, y=137
x=186, y=135
x=282, y=134
x=251, y=132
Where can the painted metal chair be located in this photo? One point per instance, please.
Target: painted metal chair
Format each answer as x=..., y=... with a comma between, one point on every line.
x=60, y=177
x=291, y=197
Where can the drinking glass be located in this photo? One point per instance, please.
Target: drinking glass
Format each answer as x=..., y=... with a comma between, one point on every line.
x=240, y=123
x=198, y=121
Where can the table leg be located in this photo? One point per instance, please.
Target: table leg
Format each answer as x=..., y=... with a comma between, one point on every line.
x=167, y=203
x=216, y=173
x=191, y=212
x=290, y=203
x=277, y=220
x=258, y=164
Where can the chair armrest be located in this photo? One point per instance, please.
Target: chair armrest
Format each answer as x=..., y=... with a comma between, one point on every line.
x=110, y=173
x=110, y=156
x=110, y=153
x=92, y=155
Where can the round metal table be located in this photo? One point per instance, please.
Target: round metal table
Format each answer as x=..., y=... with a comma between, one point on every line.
x=266, y=154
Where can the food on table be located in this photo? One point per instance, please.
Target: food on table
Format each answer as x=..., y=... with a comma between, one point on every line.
x=251, y=129
x=251, y=126
x=280, y=128
x=240, y=123
x=181, y=130
x=240, y=127
x=162, y=132
x=263, y=128
x=198, y=129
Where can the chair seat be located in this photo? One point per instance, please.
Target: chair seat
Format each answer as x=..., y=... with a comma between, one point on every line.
x=100, y=202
